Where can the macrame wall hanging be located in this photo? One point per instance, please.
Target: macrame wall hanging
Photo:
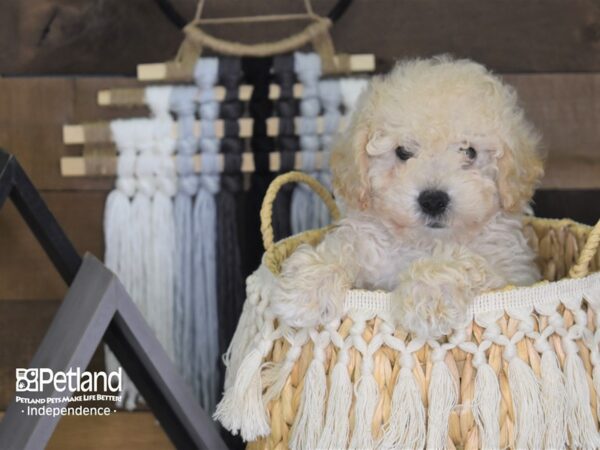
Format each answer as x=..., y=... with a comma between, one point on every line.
x=182, y=223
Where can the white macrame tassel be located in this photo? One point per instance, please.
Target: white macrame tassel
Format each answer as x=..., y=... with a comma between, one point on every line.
x=161, y=291
x=406, y=426
x=486, y=405
x=525, y=390
x=337, y=418
x=309, y=420
x=596, y=379
x=120, y=235
x=367, y=396
x=442, y=396
x=276, y=375
x=582, y=426
x=242, y=338
x=554, y=400
x=351, y=88
x=249, y=324
x=242, y=408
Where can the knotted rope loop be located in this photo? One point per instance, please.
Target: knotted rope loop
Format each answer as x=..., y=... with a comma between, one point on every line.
x=266, y=211
x=582, y=268
x=316, y=32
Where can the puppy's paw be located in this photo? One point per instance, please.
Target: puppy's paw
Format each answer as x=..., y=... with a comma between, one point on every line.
x=432, y=299
x=429, y=310
x=309, y=291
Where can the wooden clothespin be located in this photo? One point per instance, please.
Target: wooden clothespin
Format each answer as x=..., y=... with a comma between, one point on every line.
x=136, y=96
x=100, y=133
x=102, y=162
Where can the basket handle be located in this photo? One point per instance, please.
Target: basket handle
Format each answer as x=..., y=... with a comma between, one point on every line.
x=266, y=211
x=582, y=268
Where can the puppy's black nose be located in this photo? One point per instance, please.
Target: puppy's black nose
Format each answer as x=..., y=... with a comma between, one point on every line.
x=433, y=203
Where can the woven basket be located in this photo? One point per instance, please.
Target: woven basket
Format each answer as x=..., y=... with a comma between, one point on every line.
x=524, y=374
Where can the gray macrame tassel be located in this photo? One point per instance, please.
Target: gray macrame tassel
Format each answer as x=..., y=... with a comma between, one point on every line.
x=204, y=349
x=184, y=106
x=308, y=70
x=331, y=100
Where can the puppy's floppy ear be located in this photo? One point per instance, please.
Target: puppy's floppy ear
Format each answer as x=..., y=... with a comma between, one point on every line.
x=350, y=160
x=520, y=167
x=379, y=144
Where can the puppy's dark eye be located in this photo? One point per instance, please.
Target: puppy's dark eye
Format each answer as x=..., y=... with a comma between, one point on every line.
x=403, y=154
x=470, y=152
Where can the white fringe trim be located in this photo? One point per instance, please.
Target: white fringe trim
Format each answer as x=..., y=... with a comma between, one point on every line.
x=406, y=427
x=525, y=391
x=242, y=409
x=442, y=396
x=337, y=421
x=367, y=396
x=309, y=420
x=554, y=401
x=582, y=426
x=486, y=406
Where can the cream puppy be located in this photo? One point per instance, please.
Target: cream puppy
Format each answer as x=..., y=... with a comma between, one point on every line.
x=435, y=172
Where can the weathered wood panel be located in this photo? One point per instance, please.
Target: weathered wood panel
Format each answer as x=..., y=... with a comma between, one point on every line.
x=32, y=113
x=565, y=108
x=26, y=272
x=112, y=36
x=23, y=324
x=119, y=431
x=580, y=205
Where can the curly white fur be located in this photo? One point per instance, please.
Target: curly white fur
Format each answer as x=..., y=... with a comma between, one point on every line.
x=435, y=110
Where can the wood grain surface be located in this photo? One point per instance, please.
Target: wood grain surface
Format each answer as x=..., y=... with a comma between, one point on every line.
x=23, y=324
x=119, y=431
x=112, y=36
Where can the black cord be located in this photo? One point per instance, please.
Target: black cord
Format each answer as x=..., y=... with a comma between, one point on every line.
x=338, y=10
x=176, y=19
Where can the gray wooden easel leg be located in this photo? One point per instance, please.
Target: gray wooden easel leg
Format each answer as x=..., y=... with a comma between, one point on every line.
x=95, y=304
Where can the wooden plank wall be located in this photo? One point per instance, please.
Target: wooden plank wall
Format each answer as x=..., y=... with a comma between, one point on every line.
x=64, y=51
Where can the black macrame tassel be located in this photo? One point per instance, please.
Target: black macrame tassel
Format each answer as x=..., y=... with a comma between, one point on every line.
x=230, y=280
x=257, y=72
x=286, y=108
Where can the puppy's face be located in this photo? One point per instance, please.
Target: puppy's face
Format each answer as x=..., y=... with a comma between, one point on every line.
x=441, y=183
x=438, y=146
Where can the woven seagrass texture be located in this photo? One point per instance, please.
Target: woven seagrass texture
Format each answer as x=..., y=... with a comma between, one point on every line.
x=565, y=249
x=558, y=244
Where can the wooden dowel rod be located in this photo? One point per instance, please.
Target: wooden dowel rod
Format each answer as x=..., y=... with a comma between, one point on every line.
x=136, y=96
x=75, y=166
x=99, y=132
x=158, y=71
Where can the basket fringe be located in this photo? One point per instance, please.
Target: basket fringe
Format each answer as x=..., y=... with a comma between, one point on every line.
x=309, y=421
x=581, y=422
x=486, y=406
x=596, y=380
x=406, y=426
x=554, y=401
x=274, y=377
x=242, y=338
x=442, y=396
x=525, y=390
x=367, y=397
x=242, y=408
x=337, y=423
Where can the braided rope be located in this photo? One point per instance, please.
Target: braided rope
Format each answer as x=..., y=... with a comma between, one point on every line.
x=266, y=211
x=581, y=269
x=312, y=31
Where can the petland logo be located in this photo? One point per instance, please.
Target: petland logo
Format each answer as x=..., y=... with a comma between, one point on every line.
x=74, y=380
